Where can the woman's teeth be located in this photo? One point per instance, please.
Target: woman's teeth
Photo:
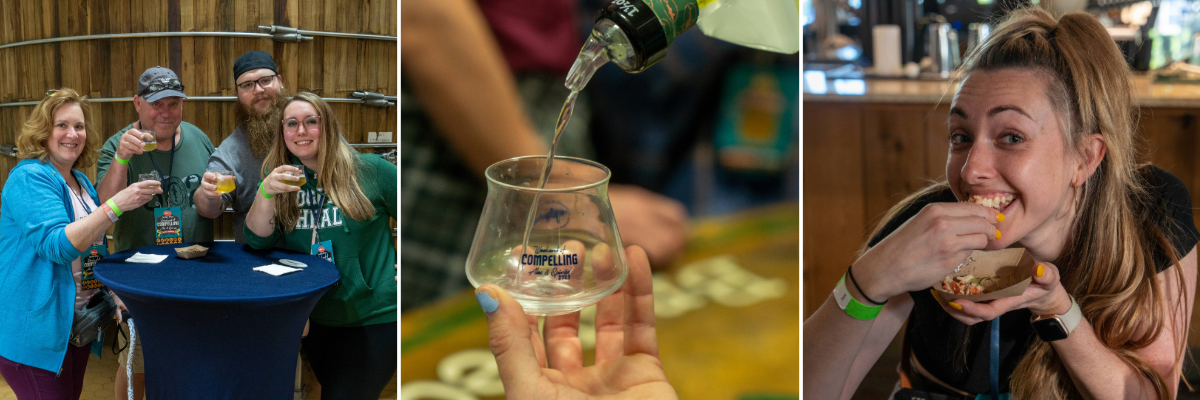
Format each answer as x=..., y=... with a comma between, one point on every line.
x=304, y=143
x=69, y=145
x=993, y=201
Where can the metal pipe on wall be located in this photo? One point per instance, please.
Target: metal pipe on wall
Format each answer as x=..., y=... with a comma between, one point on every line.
x=274, y=32
x=142, y=35
x=378, y=100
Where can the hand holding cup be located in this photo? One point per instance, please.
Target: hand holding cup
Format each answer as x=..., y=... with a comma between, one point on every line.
x=278, y=181
x=132, y=143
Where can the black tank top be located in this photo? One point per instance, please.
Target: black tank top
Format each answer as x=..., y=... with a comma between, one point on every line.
x=935, y=336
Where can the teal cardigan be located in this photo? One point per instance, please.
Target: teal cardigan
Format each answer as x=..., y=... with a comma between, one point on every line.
x=37, y=289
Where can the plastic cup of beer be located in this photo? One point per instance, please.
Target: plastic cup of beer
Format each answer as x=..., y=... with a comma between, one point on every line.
x=298, y=178
x=150, y=141
x=152, y=176
x=225, y=181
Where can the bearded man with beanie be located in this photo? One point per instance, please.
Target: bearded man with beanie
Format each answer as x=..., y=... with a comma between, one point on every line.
x=261, y=97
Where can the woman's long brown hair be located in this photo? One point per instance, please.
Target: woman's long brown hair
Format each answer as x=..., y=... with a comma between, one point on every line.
x=1107, y=264
x=339, y=169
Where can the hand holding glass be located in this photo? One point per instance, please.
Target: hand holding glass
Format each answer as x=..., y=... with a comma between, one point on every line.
x=152, y=176
x=573, y=255
x=225, y=181
x=150, y=142
x=298, y=178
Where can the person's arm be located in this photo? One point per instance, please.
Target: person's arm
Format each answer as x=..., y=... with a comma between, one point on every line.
x=839, y=349
x=1100, y=374
x=54, y=236
x=458, y=72
x=885, y=328
x=260, y=220
x=210, y=204
x=112, y=175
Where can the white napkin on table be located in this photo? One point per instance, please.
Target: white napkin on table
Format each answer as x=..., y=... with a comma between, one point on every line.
x=276, y=269
x=146, y=258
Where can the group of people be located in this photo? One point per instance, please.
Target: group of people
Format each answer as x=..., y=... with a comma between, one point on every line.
x=51, y=215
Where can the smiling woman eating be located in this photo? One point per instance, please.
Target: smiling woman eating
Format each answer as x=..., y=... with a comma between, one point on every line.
x=339, y=211
x=1042, y=156
x=49, y=215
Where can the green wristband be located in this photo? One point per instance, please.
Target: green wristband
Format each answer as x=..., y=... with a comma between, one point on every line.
x=851, y=306
x=122, y=161
x=264, y=193
x=113, y=205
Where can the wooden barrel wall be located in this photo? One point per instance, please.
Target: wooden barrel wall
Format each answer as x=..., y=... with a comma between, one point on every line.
x=106, y=68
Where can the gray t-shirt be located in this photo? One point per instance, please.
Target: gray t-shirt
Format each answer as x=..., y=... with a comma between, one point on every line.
x=234, y=155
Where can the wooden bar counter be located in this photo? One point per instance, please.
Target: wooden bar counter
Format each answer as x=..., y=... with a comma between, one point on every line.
x=869, y=143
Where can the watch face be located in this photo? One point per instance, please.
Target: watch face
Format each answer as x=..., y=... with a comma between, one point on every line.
x=1050, y=329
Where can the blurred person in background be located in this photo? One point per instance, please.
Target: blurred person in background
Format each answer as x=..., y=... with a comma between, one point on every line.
x=483, y=82
x=713, y=124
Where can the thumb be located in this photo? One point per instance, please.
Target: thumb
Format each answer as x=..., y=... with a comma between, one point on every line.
x=1045, y=274
x=509, y=336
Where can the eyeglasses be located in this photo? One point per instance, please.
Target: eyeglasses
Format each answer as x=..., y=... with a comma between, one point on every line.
x=265, y=82
x=161, y=84
x=291, y=125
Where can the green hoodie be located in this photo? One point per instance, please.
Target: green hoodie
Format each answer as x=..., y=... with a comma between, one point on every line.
x=364, y=251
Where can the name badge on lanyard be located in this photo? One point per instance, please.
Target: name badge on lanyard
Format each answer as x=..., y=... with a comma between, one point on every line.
x=323, y=249
x=98, y=251
x=168, y=225
x=168, y=222
x=94, y=253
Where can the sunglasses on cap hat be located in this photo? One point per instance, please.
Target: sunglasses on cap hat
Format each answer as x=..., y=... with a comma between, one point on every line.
x=162, y=84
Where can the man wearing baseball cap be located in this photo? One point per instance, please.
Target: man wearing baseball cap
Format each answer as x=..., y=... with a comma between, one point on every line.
x=261, y=97
x=178, y=162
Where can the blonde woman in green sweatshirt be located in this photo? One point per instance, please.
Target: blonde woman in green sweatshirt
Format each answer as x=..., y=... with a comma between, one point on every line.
x=339, y=211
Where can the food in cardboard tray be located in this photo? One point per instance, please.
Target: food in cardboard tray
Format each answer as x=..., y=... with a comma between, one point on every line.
x=966, y=284
x=192, y=248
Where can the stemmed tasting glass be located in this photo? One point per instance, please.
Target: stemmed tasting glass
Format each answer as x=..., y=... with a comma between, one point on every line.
x=573, y=256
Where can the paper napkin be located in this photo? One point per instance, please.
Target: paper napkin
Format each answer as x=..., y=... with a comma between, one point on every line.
x=276, y=269
x=146, y=258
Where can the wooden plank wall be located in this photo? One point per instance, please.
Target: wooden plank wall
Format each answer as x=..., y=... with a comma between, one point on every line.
x=330, y=67
x=860, y=159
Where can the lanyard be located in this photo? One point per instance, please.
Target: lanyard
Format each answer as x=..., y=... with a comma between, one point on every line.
x=165, y=178
x=81, y=202
x=320, y=212
x=994, y=362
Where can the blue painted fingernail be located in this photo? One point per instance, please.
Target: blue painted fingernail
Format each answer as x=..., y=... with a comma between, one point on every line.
x=486, y=301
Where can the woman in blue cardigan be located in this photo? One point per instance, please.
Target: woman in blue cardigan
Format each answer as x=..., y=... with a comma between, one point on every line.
x=49, y=217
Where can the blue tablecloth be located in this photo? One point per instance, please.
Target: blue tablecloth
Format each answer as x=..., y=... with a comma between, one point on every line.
x=212, y=327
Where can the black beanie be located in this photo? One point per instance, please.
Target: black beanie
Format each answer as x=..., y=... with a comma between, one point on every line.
x=252, y=60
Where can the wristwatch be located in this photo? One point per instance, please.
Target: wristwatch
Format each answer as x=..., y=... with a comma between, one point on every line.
x=1057, y=326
